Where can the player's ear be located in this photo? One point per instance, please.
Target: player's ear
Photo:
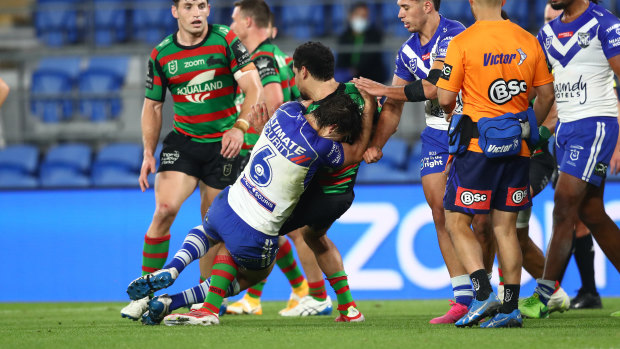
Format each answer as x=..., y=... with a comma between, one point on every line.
x=175, y=11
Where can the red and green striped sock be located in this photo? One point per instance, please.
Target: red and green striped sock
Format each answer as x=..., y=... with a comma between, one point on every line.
x=317, y=290
x=154, y=253
x=256, y=291
x=557, y=287
x=501, y=276
x=224, y=271
x=286, y=262
x=341, y=287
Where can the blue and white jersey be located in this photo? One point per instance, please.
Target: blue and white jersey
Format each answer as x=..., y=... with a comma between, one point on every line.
x=578, y=52
x=286, y=156
x=414, y=62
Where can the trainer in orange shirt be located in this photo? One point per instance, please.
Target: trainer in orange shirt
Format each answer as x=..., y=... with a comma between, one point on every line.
x=494, y=63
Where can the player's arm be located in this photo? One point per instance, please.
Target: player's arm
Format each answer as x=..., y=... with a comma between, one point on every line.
x=151, y=127
x=4, y=91
x=545, y=96
x=447, y=100
x=273, y=96
x=353, y=153
x=388, y=123
x=614, y=163
x=417, y=91
x=249, y=81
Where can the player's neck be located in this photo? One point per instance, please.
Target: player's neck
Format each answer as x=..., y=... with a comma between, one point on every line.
x=429, y=29
x=254, y=39
x=484, y=13
x=322, y=89
x=188, y=39
x=576, y=9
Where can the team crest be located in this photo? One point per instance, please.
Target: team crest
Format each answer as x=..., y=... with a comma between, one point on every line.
x=548, y=40
x=574, y=154
x=173, y=67
x=583, y=39
x=413, y=63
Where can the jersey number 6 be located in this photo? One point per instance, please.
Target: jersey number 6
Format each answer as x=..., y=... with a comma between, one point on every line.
x=260, y=169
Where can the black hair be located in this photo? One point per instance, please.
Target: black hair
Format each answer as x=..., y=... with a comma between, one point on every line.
x=437, y=4
x=340, y=110
x=176, y=2
x=257, y=9
x=359, y=4
x=317, y=58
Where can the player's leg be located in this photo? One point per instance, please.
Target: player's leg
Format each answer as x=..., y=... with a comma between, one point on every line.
x=434, y=185
x=587, y=297
x=285, y=260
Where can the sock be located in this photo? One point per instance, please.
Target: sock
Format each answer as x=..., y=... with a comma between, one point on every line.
x=511, y=298
x=584, y=256
x=489, y=276
x=339, y=283
x=482, y=286
x=286, y=262
x=154, y=253
x=256, y=291
x=197, y=294
x=557, y=287
x=202, y=279
x=317, y=290
x=194, y=246
x=461, y=286
x=224, y=272
x=501, y=276
x=544, y=289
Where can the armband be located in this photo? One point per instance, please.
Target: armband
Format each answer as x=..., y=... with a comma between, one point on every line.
x=239, y=74
x=433, y=76
x=242, y=125
x=415, y=92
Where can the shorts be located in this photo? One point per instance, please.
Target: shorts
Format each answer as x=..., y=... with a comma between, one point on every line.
x=477, y=184
x=434, y=151
x=584, y=147
x=249, y=247
x=542, y=166
x=200, y=160
x=317, y=209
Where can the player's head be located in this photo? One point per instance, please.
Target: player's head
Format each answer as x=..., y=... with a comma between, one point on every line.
x=415, y=13
x=550, y=13
x=312, y=61
x=563, y=4
x=272, y=29
x=338, y=118
x=191, y=15
x=249, y=14
x=476, y=5
x=359, y=17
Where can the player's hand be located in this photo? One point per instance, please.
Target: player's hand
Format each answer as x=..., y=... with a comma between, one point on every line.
x=231, y=143
x=148, y=166
x=372, y=154
x=259, y=116
x=614, y=163
x=372, y=87
x=448, y=117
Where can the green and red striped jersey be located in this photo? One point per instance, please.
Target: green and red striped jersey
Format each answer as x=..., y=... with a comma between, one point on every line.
x=201, y=81
x=272, y=68
x=340, y=180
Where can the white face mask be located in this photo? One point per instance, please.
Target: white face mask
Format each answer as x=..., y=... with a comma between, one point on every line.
x=359, y=24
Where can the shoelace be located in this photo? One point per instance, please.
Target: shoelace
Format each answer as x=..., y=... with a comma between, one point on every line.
x=533, y=300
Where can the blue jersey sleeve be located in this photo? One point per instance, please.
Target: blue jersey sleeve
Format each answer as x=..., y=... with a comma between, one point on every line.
x=609, y=34
x=442, y=46
x=330, y=153
x=401, y=69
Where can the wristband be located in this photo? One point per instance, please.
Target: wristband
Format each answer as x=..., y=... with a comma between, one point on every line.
x=242, y=125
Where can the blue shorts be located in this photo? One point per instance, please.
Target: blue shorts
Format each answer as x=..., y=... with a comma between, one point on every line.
x=249, y=247
x=584, y=147
x=477, y=184
x=434, y=151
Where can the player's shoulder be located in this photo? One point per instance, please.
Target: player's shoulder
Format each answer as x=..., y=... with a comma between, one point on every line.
x=410, y=42
x=292, y=109
x=167, y=42
x=451, y=27
x=223, y=33
x=606, y=19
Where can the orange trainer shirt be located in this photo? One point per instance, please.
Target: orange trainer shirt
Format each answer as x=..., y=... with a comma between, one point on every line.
x=494, y=64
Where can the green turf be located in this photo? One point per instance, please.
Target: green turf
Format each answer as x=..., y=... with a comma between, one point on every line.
x=389, y=324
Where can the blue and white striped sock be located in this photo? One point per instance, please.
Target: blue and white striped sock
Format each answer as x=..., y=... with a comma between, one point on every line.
x=463, y=292
x=544, y=289
x=197, y=294
x=194, y=246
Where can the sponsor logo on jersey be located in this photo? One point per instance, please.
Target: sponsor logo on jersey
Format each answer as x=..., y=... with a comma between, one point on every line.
x=565, y=35
x=281, y=142
x=211, y=61
x=426, y=56
x=173, y=66
x=446, y=71
x=431, y=161
x=199, y=88
x=572, y=90
x=522, y=56
x=615, y=26
x=474, y=199
x=262, y=63
x=193, y=63
x=169, y=158
x=615, y=42
x=517, y=196
x=150, y=75
x=583, y=39
x=600, y=169
x=260, y=198
x=502, y=58
x=501, y=91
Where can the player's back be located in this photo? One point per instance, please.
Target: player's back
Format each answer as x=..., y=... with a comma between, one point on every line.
x=495, y=76
x=284, y=159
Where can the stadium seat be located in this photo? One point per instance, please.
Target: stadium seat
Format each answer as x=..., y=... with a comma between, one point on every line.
x=118, y=157
x=114, y=177
x=100, y=85
x=381, y=173
x=152, y=20
x=20, y=159
x=51, y=88
x=13, y=180
x=110, y=22
x=390, y=23
x=63, y=178
x=395, y=153
x=339, y=19
x=56, y=22
x=66, y=159
x=303, y=21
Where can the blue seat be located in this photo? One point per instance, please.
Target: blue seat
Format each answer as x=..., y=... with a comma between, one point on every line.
x=51, y=88
x=120, y=156
x=14, y=180
x=395, y=153
x=382, y=173
x=152, y=20
x=391, y=24
x=56, y=22
x=110, y=22
x=63, y=178
x=66, y=158
x=339, y=19
x=415, y=156
x=22, y=159
x=303, y=21
x=100, y=85
x=114, y=177
x=220, y=14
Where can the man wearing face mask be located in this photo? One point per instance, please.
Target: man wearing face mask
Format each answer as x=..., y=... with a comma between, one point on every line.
x=352, y=59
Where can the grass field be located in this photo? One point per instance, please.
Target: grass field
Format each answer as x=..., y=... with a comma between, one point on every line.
x=389, y=324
